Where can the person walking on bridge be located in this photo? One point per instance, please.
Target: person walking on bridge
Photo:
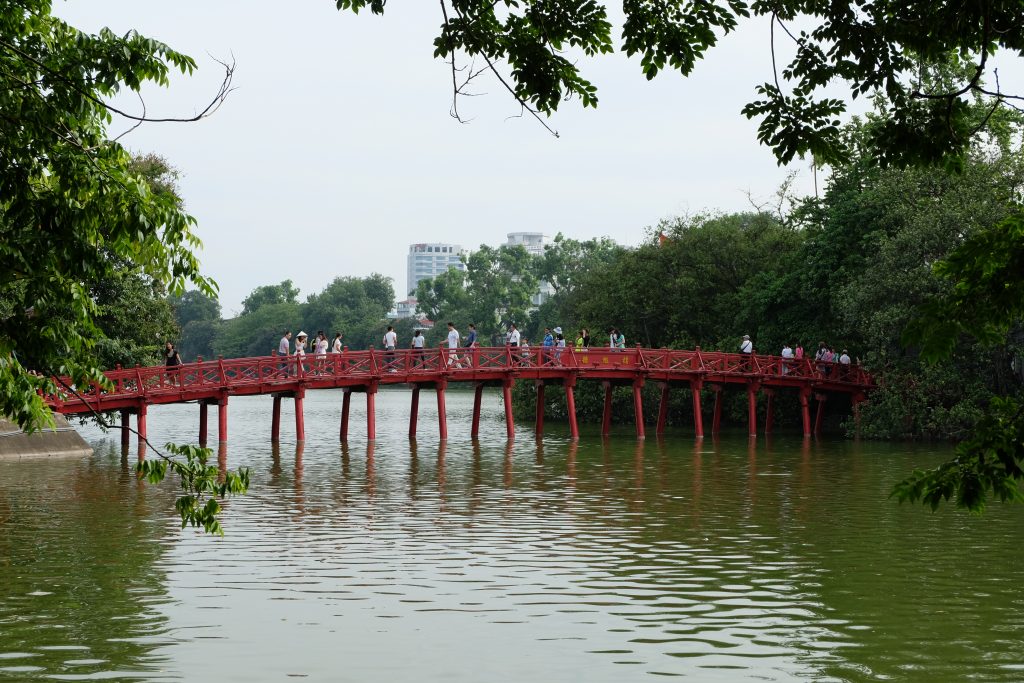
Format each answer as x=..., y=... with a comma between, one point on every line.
x=337, y=343
x=284, y=349
x=390, y=344
x=173, y=361
x=453, y=346
x=513, y=335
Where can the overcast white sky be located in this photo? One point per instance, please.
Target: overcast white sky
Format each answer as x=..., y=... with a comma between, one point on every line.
x=337, y=151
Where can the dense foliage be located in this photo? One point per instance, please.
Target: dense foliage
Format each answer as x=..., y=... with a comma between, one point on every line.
x=75, y=211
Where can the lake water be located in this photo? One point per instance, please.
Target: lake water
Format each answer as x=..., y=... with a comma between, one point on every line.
x=606, y=560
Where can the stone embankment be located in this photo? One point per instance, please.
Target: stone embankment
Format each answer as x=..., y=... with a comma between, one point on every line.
x=60, y=442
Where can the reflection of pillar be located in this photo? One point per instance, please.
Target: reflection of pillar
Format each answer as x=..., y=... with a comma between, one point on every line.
x=856, y=401
x=570, y=408
x=371, y=413
x=222, y=462
x=222, y=419
x=275, y=420
x=506, y=395
x=539, y=422
x=606, y=417
x=300, y=416
x=662, y=408
x=126, y=417
x=805, y=409
x=442, y=417
x=820, y=415
x=716, y=421
x=202, y=424
x=414, y=410
x=698, y=415
x=478, y=393
x=769, y=418
x=346, y=402
x=638, y=408
x=752, y=408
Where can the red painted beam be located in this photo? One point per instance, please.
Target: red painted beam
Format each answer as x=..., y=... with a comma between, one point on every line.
x=222, y=419
x=698, y=417
x=663, y=408
x=570, y=407
x=300, y=417
x=477, y=399
x=346, y=403
x=442, y=417
x=414, y=410
x=275, y=420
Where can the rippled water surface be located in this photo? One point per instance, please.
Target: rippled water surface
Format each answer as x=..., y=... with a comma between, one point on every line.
x=536, y=561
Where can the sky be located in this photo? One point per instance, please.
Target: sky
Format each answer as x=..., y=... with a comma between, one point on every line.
x=336, y=150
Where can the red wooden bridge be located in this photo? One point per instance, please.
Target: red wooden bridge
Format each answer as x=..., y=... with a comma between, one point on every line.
x=213, y=382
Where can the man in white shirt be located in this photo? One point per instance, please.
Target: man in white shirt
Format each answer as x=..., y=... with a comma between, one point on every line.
x=284, y=349
x=747, y=349
x=453, y=345
x=513, y=335
x=390, y=342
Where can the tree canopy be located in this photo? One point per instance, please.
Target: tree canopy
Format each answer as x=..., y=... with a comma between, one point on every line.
x=536, y=48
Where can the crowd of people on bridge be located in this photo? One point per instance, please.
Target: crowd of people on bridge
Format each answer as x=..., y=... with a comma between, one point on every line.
x=828, y=360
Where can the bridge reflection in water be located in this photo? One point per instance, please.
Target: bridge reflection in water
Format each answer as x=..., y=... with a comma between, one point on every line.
x=132, y=391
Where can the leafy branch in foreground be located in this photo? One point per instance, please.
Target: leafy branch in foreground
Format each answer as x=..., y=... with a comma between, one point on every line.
x=201, y=482
x=987, y=297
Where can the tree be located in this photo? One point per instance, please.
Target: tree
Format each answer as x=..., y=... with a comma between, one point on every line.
x=883, y=46
x=354, y=306
x=283, y=293
x=76, y=211
x=194, y=305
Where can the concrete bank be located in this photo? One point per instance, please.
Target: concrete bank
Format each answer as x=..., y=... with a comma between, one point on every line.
x=62, y=442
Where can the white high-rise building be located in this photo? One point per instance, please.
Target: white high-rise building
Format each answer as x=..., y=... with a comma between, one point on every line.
x=534, y=243
x=430, y=260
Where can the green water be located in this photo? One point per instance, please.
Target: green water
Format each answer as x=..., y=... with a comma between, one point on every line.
x=537, y=561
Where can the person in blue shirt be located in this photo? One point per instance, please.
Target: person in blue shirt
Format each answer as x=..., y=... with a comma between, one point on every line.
x=471, y=337
x=546, y=345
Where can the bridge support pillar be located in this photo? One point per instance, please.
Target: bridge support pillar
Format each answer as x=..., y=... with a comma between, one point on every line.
x=126, y=433
x=346, y=403
x=698, y=415
x=539, y=422
x=805, y=410
x=478, y=393
x=275, y=421
x=638, y=408
x=752, y=408
x=506, y=395
x=662, y=409
x=570, y=407
x=716, y=421
x=141, y=422
x=222, y=419
x=414, y=409
x=442, y=417
x=769, y=418
x=371, y=411
x=606, y=417
x=300, y=416
x=203, y=423
x=819, y=416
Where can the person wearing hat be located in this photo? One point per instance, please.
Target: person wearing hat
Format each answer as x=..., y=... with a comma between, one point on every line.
x=747, y=349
